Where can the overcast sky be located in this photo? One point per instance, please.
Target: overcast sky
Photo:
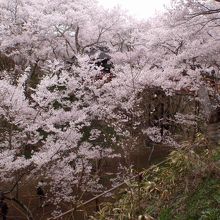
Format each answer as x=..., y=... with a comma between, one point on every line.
x=138, y=8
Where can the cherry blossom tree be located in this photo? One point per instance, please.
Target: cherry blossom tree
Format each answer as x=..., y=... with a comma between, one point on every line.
x=62, y=114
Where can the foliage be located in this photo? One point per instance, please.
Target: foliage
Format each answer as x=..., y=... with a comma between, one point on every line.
x=177, y=189
x=204, y=202
x=63, y=112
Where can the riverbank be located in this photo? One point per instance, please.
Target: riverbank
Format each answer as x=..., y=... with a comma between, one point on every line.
x=186, y=187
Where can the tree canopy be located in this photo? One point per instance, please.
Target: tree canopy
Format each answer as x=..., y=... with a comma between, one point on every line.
x=60, y=112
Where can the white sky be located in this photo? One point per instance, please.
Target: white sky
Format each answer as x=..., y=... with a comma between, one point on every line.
x=138, y=8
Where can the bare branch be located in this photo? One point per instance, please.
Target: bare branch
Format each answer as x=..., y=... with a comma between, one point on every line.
x=77, y=40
